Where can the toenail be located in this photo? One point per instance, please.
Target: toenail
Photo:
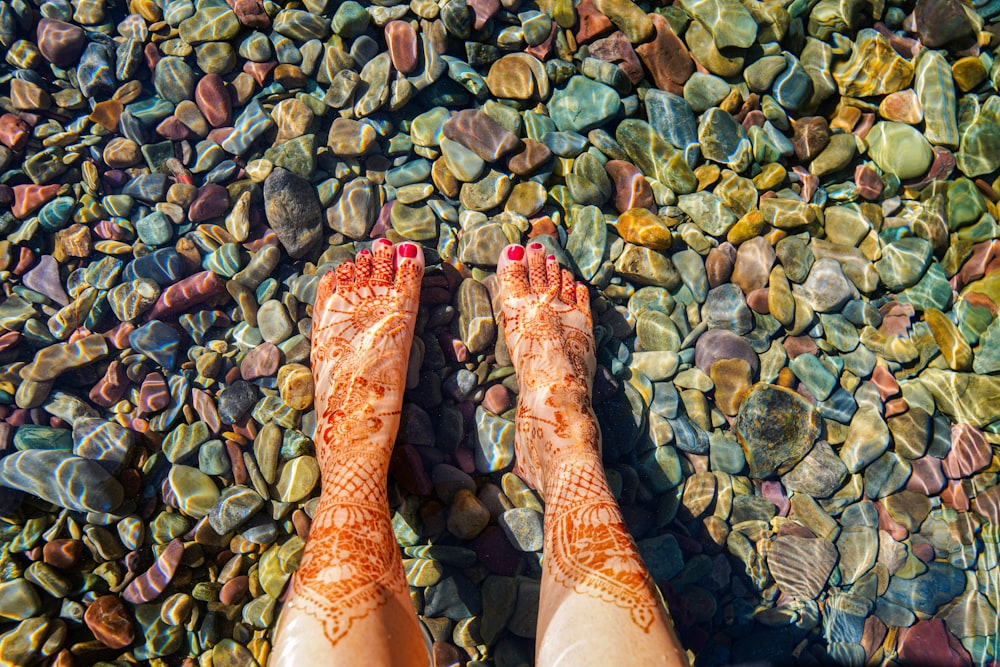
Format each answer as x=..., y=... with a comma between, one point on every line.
x=385, y=241
x=535, y=246
x=364, y=251
x=515, y=252
x=551, y=258
x=408, y=250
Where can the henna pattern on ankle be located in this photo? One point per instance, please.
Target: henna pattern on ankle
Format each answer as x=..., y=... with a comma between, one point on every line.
x=588, y=546
x=363, y=326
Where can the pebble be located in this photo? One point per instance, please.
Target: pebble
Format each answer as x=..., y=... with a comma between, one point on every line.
x=778, y=210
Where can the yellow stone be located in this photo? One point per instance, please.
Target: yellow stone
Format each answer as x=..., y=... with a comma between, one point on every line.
x=644, y=228
x=968, y=72
x=749, y=226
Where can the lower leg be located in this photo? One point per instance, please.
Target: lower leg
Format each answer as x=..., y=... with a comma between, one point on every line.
x=597, y=602
x=349, y=603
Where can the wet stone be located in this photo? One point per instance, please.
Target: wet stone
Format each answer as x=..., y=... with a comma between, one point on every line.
x=776, y=428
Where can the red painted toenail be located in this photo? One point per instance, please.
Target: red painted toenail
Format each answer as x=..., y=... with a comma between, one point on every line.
x=408, y=250
x=551, y=258
x=364, y=251
x=385, y=241
x=535, y=246
x=515, y=252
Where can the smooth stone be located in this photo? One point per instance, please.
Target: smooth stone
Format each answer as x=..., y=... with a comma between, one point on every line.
x=800, y=565
x=583, y=104
x=297, y=479
x=293, y=211
x=819, y=474
x=776, y=428
x=729, y=22
x=60, y=477
x=726, y=308
x=926, y=593
x=109, y=620
x=899, y=149
x=194, y=491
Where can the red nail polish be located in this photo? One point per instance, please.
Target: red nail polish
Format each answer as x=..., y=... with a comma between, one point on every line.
x=384, y=241
x=408, y=250
x=535, y=246
x=365, y=251
x=551, y=258
x=515, y=252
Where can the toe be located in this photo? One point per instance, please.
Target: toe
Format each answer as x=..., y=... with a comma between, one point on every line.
x=536, y=268
x=345, y=277
x=383, y=254
x=567, y=289
x=327, y=285
x=409, y=259
x=363, y=269
x=553, y=273
x=512, y=272
x=583, y=298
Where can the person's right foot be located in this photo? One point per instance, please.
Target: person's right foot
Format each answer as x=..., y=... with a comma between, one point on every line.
x=548, y=327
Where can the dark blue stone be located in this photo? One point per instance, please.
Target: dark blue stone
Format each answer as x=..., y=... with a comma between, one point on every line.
x=235, y=400
x=163, y=267
x=672, y=117
x=662, y=556
x=96, y=72
x=688, y=436
x=131, y=128
x=222, y=173
x=158, y=341
x=453, y=597
x=928, y=592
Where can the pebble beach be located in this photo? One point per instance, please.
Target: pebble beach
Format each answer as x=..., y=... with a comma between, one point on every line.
x=785, y=212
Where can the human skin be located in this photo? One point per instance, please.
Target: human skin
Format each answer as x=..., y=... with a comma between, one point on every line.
x=593, y=579
x=348, y=603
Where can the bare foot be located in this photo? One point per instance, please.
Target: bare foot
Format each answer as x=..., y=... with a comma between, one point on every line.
x=593, y=577
x=548, y=327
x=363, y=323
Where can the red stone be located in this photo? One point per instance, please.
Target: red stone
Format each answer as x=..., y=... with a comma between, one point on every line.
x=259, y=71
x=543, y=49
x=497, y=399
x=234, y=590
x=59, y=42
x=926, y=477
x=212, y=97
x=757, y=300
x=63, y=553
x=30, y=198
x=930, y=643
x=890, y=525
x=154, y=581
x=616, y=49
x=869, y=183
x=153, y=394
x=954, y=496
x=212, y=201
x=152, y=56
x=401, y=39
x=187, y=292
x=970, y=452
x=666, y=57
x=407, y=468
x=484, y=11
x=531, y=159
x=630, y=188
x=542, y=226
x=923, y=551
x=987, y=504
x=591, y=22
x=261, y=361
x=173, y=129
x=719, y=263
x=251, y=14
x=14, y=131
x=885, y=382
x=110, y=622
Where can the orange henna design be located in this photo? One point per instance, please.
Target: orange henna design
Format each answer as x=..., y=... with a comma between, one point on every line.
x=588, y=546
x=363, y=323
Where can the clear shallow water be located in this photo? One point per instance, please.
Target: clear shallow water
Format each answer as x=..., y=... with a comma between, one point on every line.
x=761, y=196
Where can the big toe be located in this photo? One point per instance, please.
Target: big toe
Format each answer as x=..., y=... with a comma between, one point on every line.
x=409, y=266
x=512, y=271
